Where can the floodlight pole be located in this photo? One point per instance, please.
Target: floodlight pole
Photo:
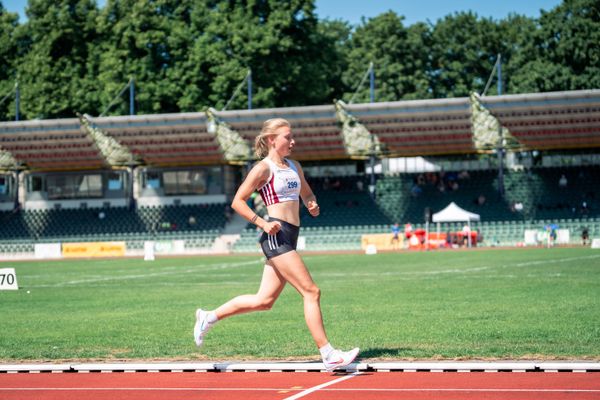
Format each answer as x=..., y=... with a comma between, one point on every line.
x=16, y=189
x=372, y=92
x=249, y=89
x=247, y=79
x=372, y=82
x=131, y=96
x=17, y=101
x=500, y=136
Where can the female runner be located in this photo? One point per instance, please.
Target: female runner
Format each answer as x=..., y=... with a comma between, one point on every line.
x=281, y=183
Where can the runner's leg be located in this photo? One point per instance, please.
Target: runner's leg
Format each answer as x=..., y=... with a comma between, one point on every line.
x=271, y=285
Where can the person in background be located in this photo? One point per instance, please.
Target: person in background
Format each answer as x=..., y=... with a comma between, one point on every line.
x=395, y=236
x=562, y=182
x=585, y=236
x=408, y=230
x=466, y=231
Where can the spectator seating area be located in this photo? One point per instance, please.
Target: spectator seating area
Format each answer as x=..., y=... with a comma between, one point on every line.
x=567, y=197
x=344, y=202
x=347, y=210
x=492, y=233
x=538, y=192
x=198, y=224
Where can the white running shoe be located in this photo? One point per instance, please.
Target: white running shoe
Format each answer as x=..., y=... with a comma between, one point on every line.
x=201, y=327
x=338, y=359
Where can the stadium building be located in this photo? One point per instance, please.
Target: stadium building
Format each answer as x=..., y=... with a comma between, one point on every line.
x=526, y=164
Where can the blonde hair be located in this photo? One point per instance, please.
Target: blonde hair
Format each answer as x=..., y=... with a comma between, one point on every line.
x=261, y=146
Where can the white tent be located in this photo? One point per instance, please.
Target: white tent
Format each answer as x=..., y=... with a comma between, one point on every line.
x=453, y=213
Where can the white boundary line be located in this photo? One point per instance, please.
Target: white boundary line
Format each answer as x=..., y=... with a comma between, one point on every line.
x=165, y=271
x=565, y=390
x=298, y=395
x=321, y=386
x=142, y=389
x=514, y=366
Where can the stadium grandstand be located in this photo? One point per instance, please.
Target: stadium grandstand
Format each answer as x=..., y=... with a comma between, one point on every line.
x=521, y=162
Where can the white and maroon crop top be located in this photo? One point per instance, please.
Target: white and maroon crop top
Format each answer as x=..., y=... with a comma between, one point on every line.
x=283, y=184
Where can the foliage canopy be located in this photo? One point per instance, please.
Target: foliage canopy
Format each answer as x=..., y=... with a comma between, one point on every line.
x=70, y=56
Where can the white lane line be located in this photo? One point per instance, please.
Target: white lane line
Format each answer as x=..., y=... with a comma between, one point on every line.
x=301, y=394
x=306, y=392
x=141, y=389
x=456, y=270
x=464, y=390
x=194, y=269
x=321, y=386
x=554, y=261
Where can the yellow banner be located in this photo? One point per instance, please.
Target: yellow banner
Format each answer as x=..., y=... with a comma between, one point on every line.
x=383, y=241
x=93, y=249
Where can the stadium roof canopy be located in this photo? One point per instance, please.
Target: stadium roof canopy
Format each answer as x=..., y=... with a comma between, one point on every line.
x=164, y=139
x=548, y=121
x=50, y=144
x=543, y=121
x=316, y=130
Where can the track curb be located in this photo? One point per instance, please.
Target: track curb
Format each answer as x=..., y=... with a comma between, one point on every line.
x=444, y=366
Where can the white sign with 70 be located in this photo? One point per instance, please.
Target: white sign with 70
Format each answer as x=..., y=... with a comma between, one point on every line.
x=8, y=279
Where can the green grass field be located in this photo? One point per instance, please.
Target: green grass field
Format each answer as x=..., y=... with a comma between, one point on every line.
x=483, y=304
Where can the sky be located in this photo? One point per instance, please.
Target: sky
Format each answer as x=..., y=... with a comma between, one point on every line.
x=413, y=10
x=428, y=10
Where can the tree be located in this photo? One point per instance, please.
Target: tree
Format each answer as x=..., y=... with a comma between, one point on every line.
x=332, y=39
x=190, y=19
x=516, y=35
x=145, y=40
x=567, y=55
x=53, y=73
x=279, y=41
x=464, y=49
x=399, y=56
x=8, y=47
x=186, y=55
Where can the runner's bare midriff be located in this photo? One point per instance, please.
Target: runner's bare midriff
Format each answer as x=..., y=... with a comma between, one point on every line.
x=287, y=211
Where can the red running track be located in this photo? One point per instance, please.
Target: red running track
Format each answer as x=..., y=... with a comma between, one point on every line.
x=309, y=386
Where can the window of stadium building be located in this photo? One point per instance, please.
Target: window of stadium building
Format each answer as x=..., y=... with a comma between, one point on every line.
x=185, y=182
x=74, y=186
x=152, y=180
x=36, y=184
x=115, y=182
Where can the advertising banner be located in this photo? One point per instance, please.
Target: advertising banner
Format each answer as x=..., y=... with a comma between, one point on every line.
x=382, y=241
x=93, y=249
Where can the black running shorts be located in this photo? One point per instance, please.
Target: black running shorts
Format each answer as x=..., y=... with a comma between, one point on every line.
x=283, y=241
